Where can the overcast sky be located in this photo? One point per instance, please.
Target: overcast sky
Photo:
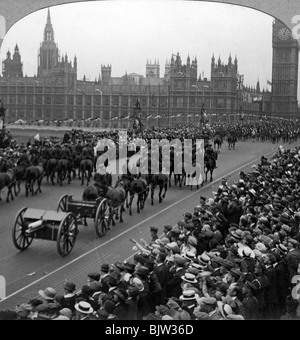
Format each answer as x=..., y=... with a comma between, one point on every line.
x=125, y=34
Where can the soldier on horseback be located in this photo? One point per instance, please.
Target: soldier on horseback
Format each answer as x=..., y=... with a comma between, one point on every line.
x=24, y=159
x=56, y=152
x=210, y=154
x=46, y=151
x=87, y=153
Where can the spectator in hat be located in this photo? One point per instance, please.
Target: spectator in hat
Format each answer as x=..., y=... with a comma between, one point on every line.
x=167, y=231
x=120, y=300
x=109, y=307
x=162, y=272
x=232, y=298
x=87, y=294
x=153, y=234
x=250, y=302
x=173, y=288
x=155, y=290
x=93, y=281
x=49, y=307
x=271, y=301
x=65, y=314
x=293, y=257
x=282, y=284
x=189, y=301
x=69, y=299
x=112, y=283
x=104, y=277
x=132, y=302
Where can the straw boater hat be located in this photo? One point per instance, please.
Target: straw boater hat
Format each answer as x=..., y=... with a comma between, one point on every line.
x=84, y=307
x=224, y=309
x=189, y=277
x=246, y=252
x=188, y=295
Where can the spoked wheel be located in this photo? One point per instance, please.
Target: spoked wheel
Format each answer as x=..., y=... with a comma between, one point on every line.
x=63, y=203
x=20, y=239
x=67, y=234
x=103, y=218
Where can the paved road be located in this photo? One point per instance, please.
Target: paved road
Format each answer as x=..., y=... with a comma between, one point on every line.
x=41, y=266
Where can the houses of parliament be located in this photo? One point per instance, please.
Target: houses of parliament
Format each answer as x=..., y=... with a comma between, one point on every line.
x=177, y=97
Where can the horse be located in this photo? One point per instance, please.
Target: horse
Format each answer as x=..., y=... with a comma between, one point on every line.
x=117, y=196
x=209, y=166
x=155, y=180
x=218, y=140
x=76, y=165
x=7, y=179
x=135, y=186
x=63, y=170
x=33, y=173
x=19, y=171
x=231, y=139
x=94, y=191
x=86, y=170
x=191, y=178
x=51, y=169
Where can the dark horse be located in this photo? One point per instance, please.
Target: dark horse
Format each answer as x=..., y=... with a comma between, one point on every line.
x=34, y=173
x=231, y=139
x=218, y=140
x=7, y=179
x=51, y=169
x=160, y=180
x=86, y=170
x=139, y=187
x=98, y=189
x=117, y=198
x=63, y=169
x=19, y=171
x=209, y=166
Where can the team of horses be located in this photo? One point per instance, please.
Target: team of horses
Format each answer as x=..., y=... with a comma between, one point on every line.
x=127, y=186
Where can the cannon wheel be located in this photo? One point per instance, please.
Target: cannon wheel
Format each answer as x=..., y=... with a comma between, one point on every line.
x=63, y=203
x=20, y=239
x=67, y=234
x=103, y=218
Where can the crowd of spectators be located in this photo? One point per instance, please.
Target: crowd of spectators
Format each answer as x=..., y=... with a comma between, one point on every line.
x=233, y=257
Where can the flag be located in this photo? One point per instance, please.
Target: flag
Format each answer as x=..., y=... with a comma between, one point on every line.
x=269, y=82
x=37, y=137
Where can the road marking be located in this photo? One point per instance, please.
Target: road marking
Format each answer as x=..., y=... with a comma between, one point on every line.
x=126, y=231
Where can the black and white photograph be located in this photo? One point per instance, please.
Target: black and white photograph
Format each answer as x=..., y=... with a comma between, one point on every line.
x=149, y=162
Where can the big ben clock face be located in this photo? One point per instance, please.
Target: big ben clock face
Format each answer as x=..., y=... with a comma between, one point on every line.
x=284, y=34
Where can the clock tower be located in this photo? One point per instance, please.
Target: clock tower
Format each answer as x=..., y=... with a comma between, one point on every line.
x=284, y=72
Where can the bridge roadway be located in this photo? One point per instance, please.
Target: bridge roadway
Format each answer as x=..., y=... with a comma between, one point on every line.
x=40, y=266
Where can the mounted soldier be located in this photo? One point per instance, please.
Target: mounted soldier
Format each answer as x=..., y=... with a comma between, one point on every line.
x=210, y=154
x=24, y=159
x=56, y=152
x=87, y=152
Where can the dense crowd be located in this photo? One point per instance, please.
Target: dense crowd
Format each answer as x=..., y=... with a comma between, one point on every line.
x=232, y=257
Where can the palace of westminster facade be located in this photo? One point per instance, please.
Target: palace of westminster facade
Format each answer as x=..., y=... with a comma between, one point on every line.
x=55, y=93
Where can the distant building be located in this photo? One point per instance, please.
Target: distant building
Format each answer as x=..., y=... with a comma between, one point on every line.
x=12, y=67
x=284, y=72
x=177, y=97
